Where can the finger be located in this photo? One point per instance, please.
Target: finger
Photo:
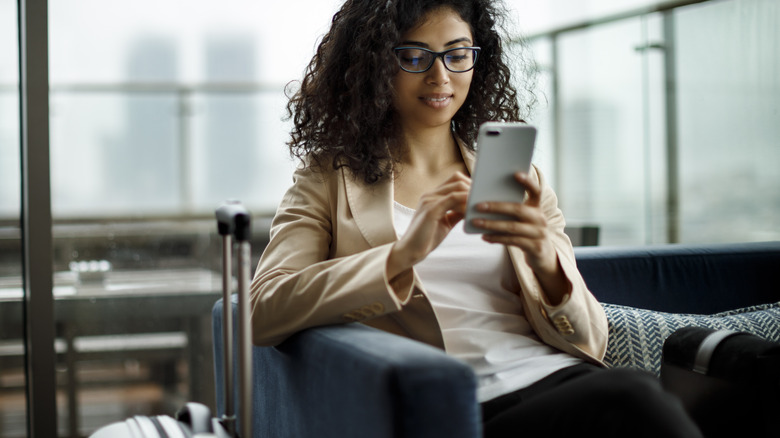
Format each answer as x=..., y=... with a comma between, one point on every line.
x=532, y=189
x=504, y=239
x=437, y=206
x=458, y=177
x=456, y=202
x=526, y=243
x=450, y=196
x=511, y=209
x=510, y=228
x=528, y=246
x=452, y=217
x=458, y=186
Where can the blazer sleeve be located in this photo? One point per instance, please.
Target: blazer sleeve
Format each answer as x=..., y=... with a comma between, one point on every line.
x=578, y=324
x=298, y=285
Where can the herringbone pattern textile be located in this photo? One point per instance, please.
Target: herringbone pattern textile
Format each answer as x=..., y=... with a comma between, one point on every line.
x=636, y=336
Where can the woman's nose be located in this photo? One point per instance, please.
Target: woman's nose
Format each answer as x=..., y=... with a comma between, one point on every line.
x=438, y=73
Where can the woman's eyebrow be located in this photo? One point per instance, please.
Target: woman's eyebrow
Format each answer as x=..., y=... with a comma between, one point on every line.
x=414, y=43
x=426, y=45
x=459, y=40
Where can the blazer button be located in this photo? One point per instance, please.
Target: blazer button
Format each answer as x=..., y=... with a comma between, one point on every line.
x=373, y=309
x=563, y=325
x=352, y=316
x=364, y=312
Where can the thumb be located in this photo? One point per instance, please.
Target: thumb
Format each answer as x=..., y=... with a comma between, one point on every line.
x=532, y=190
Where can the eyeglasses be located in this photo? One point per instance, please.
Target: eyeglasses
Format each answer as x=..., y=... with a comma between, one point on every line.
x=420, y=60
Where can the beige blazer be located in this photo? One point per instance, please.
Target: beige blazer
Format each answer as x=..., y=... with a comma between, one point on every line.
x=325, y=264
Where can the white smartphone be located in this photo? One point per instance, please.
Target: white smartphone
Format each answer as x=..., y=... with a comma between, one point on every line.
x=503, y=148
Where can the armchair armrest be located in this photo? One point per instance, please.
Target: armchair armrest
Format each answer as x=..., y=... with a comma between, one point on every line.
x=355, y=381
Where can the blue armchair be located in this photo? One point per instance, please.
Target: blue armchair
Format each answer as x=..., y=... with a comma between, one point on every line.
x=354, y=381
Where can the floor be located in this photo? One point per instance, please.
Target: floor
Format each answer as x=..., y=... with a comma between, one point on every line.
x=110, y=392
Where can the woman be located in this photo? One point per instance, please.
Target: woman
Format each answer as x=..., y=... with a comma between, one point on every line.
x=385, y=123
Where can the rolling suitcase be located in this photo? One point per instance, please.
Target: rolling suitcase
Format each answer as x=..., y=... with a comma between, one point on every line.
x=194, y=419
x=729, y=382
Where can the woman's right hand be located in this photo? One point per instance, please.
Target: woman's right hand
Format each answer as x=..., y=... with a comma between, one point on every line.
x=437, y=213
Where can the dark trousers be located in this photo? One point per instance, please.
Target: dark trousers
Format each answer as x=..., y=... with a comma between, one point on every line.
x=585, y=400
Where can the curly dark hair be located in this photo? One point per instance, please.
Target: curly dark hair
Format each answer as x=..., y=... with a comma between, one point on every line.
x=343, y=110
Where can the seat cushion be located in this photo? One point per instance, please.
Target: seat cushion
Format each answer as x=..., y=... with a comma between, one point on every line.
x=636, y=336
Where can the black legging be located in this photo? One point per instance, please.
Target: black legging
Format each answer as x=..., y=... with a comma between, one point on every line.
x=585, y=400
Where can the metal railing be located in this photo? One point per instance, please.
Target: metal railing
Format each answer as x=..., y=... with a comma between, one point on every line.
x=183, y=96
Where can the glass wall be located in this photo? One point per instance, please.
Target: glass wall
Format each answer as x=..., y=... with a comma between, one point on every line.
x=10, y=190
x=665, y=125
x=728, y=71
x=155, y=121
x=13, y=404
x=607, y=171
x=167, y=116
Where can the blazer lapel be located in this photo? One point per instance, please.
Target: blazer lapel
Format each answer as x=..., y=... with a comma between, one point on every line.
x=372, y=209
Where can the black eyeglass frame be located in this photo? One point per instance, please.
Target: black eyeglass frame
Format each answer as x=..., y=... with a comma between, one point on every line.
x=438, y=55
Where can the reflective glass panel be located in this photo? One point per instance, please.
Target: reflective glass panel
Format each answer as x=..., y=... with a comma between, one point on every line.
x=13, y=411
x=538, y=16
x=114, y=153
x=238, y=149
x=728, y=72
x=610, y=172
x=156, y=119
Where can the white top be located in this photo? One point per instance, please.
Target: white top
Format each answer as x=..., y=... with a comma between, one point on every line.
x=468, y=283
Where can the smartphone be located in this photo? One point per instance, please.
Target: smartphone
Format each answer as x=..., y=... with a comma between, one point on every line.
x=503, y=149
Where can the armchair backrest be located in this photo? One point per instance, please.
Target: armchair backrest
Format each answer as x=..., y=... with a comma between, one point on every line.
x=702, y=278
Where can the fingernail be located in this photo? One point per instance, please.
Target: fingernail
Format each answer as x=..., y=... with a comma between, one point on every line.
x=483, y=206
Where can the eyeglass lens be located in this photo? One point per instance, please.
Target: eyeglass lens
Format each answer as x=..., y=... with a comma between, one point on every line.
x=419, y=60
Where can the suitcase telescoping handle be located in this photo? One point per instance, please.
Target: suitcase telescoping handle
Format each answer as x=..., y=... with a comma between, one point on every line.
x=234, y=222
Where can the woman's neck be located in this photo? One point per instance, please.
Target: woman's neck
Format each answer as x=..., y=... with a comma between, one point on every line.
x=430, y=150
x=429, y=158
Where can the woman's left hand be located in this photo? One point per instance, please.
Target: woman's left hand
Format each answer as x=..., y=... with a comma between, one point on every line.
x=526, y=228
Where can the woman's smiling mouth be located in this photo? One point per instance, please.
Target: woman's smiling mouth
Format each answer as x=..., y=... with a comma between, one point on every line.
x=437, y=101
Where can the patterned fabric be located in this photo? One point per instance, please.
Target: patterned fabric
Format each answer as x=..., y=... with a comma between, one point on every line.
x=636, y=336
